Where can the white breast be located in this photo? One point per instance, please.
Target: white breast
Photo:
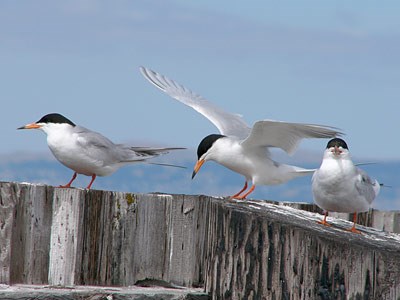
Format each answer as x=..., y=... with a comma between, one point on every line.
x=334, y=187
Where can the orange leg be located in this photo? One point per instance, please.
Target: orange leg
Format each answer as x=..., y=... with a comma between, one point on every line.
x=90, y=184
x=353, y=229
x=246, y=194
x=241, y=191
x=324, y=222
x=69, y=183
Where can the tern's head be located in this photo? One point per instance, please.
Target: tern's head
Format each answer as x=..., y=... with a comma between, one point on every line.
x=337, y=148
x=203, y=151
x=50, y=122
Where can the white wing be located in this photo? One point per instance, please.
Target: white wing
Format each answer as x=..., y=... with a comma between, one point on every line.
x=227, y=123
x=269, y=133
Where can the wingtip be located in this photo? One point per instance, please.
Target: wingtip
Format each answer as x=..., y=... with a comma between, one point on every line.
x=143, y=70
x=385, y=186
x=148, y=73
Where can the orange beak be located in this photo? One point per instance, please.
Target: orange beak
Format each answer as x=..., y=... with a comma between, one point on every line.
x=30, y=126
x=197, y=167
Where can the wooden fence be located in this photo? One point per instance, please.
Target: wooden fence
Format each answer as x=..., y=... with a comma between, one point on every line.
x=195, y=246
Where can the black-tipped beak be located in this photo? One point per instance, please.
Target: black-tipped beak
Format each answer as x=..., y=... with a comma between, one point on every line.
x=30, y=126
x=197, y=167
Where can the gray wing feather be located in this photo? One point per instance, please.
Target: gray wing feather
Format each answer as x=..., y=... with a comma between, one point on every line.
x=103, y=150
x=99, y=148
x=367, y=187
x=284, y=135
x=227, y=123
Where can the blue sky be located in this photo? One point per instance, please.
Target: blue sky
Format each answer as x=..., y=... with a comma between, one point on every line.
x=335, y=63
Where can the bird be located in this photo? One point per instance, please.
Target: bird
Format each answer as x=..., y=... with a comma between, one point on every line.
x=88, y=152
x=340, y=186
x=240, y=148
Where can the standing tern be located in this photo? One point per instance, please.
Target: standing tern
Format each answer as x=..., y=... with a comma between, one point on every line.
x=339, y=186
x=87, y=152
x=240, y=148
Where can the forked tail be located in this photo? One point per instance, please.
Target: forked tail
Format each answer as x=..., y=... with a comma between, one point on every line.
x=149, y=151
x=302, y=172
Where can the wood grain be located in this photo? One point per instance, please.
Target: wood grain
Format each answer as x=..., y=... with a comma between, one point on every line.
x=232, y=249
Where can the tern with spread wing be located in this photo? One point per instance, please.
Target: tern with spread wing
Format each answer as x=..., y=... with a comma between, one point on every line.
x=240, y=148
x=339, y=186
x=87, y=152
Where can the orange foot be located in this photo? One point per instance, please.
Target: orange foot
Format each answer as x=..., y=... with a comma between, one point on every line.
x=64, y=186
x=69, y=183
x=237, y=197
x=324, y=222
x=241, y=191
x=245, y=194
x=354, y=230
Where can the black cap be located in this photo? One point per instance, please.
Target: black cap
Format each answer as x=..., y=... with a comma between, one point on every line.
x=55, y=118
x=337, y=142
x=207, y=143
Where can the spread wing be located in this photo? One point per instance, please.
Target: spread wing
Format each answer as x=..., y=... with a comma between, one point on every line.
x=284, y=135
x=227, y=123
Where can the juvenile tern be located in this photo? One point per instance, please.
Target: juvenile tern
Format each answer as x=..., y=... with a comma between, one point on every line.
x=340, y=186
x=87, y=152
x=238, y=147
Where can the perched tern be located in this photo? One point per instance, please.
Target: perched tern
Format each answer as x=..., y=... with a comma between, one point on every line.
x=240, y=148
x=340, y=186
x=87, y=152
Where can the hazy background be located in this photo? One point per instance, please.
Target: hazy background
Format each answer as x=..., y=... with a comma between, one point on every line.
x=335, y=63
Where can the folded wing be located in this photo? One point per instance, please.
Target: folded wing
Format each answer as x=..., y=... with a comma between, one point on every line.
x=102, y=150
x=366, y=186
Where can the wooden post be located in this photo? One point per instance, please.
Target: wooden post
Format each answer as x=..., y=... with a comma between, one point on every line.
x=110, y=238
x=24, y=233
x=65, y=237
x=233, y=249
x=259, y=250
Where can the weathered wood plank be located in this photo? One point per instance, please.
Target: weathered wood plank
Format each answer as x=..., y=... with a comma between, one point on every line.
x=65, y=237
x=245, y=249
x=121, y=238
x=97, y=292
x=31, y=233
x=269, y=251
x=185, y=240
x=8, y=200
x=25, y=231
x=383, y=220
x=100, y=246
x=168, y=235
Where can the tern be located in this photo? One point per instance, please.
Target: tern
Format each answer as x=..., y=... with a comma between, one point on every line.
x=87, y=152
x=240, y=148
x=340, y=186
